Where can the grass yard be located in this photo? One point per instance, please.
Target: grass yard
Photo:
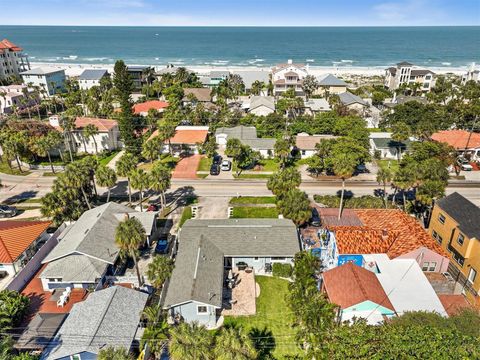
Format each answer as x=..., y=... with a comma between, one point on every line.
x=186, y=215
x=205, y=164
x=251, y=176
x=272, y=323
x=253, y=200
x=106, y=159
x=269, y=165
x=393, y=164
x=254, y=212
x=4, y=168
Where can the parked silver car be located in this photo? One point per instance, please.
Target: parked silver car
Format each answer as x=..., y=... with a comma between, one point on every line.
x=7, y=211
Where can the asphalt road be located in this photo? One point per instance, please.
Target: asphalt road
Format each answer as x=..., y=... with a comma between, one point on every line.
x=35, y=186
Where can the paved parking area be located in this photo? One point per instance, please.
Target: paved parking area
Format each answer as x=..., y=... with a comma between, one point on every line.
x=187, y=168
x=213, y=207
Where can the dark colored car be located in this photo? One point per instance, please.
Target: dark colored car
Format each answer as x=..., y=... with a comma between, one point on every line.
x=315, y=219
x=153, y=207
x=217, y=159
x=7, y=211
x=162, y=246
x=215, y=169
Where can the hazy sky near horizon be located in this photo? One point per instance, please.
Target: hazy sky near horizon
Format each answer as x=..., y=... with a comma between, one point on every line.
x=241, y=12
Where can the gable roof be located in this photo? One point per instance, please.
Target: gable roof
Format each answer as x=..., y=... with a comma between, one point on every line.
x=42, y=71
x=101, y=124
x=317, y=104
x=464, y=212
x=107, y=317
x=458, y=138
x=248, y=136
x=201, y=94
x=331, y=80
x=147, y=105
x=203, y=244
x=257, y=101
x=349, y=285
x=308, y=142
x=7, y=44
x=93, y=74
x=347, y=98
x=404, y=63
x=16, y=236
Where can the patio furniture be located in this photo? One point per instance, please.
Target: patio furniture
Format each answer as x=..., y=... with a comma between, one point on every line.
x=242, y=265
x=248, y=270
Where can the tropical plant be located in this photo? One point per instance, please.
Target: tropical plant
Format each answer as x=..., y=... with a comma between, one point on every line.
x=343, y=166
x=68, y=125
x=294, y=205
x=282, y=151
x=190, y=341
x=152, y=149
x=129, y=235
x=257, y=87
x=90, y=131
x=160, y=180
x=282, y=181
x=106, y=177
x=159, y=270
x=114, y=353
x=13, y=307
x=42, y=148
x=234, y=344
x=125, y=165
x=384, y=176
x=140, y=181
x=310, y=85
x=166, y=131
x=77, y=176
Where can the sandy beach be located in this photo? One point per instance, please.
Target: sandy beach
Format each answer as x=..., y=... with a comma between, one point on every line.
x=73, y=70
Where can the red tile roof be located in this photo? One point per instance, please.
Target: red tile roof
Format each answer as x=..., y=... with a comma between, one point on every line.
x=349, y=285
x=16, y=236
x=454, y=303
x=362, y=240
x=185, y=136
x=7, y=44
x=329, y=217
x=458, y=138
x=101, y=124
x=147, y=105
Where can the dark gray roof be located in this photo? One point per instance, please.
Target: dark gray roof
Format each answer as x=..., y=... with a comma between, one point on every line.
x=404, y=63
x=40, y=331
x=93, y=74
x=464, y=212
x=331, y=80
x=198, y=273
x=347, y=98
x=248, y=136
x=385, y=143
x=107, y=317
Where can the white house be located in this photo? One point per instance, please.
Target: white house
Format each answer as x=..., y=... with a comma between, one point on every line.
x=305, y=143
x=16, y=97
x=407, y=73
x=248, y=136
x=472, y=74
x=12, y=59
x=209, y=248
x=262, y=105
x=330, y=84
x=389, y=149
x=51, y=80
x=91, y=77
x=106, y=139
x=289, y=76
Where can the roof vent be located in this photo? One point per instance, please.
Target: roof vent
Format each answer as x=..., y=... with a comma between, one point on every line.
x=86, y=231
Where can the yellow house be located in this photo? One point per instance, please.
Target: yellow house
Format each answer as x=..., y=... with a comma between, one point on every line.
x=455, y=224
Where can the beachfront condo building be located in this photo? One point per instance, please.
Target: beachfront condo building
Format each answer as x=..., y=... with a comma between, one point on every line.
x=12, y=60
x=289, y=76
x=472, y=74
x=405, y=74
x=454, y=224
x=50, y=81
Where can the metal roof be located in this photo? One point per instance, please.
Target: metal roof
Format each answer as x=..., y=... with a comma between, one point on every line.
x=93, y=74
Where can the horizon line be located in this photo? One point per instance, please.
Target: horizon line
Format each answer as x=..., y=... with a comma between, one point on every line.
x=247, y=26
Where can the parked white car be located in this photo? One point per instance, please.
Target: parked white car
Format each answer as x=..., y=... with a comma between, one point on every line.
x=464, y=164
x=226, y=165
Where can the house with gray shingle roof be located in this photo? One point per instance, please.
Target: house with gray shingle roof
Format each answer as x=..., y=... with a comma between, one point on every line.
x=108, y=317
x=91, y=77
x=329, y=83
x=207, y=248
x=248, y=136
x=87, y=249
x=352, y=101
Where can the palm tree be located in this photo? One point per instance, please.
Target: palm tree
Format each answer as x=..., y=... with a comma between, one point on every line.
x=190, y=341
x=166, y=130
x=55, y=139
x=114, y=353
x=68, y=125
x=282, y=151
x=404, y=180
x=234, y=344
x=156, y=337
x=140, y=181
x=125, y=165
x=384, y=176
x=77, y=175
x=129, y=235
x=343, y=166
x=151, y=149
x=147, y=75
x=42, y=148
x=257, y=87
x=160, y=180
x=90, y=131
x=106, y=177
x=159, y=270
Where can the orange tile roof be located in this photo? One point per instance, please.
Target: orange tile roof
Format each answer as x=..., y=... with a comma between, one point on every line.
x=349, y=284
x=362, y=240
x=7, y=44
x=16, y=236
x=147, y=105
x=458, y=138
x=182, y=136
x=101, y=124
x=453, y=303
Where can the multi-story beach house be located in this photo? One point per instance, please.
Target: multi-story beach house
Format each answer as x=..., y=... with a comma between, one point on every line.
x=91, y=77
x=454, y=224
x=51, y=81
x=472, y=74
x=289, y=76
x=12, y=60
x=16, y=97
x=405, y=73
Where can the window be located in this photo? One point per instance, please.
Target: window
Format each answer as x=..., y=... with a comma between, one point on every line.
x=278, y=258
x=433, y=266
x=255, y=258
x=425, y=266
x=75, y=357
x=437, y=237
x=441, y=219
x=472, y=275
x=304, y=152
x=201, y=309
x=460, y=239
x=458, y=259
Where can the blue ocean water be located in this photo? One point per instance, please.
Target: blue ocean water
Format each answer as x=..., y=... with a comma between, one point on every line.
x=250, y=46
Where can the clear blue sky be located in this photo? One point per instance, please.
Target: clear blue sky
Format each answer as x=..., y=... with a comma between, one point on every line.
x=241, y=12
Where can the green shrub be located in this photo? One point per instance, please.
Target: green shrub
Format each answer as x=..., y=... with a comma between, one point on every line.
x=362, y=202
x=282, y=270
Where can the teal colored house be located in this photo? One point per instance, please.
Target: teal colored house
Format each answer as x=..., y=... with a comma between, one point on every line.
x=358, y=294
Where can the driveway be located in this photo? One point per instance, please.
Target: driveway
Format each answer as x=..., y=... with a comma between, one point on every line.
x=212, y=207
x=187, y=168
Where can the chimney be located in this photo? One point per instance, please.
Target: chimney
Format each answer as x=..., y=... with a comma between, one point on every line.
x=53, y=120
x=384, y=234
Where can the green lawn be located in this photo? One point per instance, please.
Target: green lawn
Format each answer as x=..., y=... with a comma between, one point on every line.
x=186, y=215
x=393, y=164
x=253, y=200
x=205, y=164
x=251, y=176
x=271, y=325
x=254, y=212
x=106, y=159
x=4, y=168
x=270, y=165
